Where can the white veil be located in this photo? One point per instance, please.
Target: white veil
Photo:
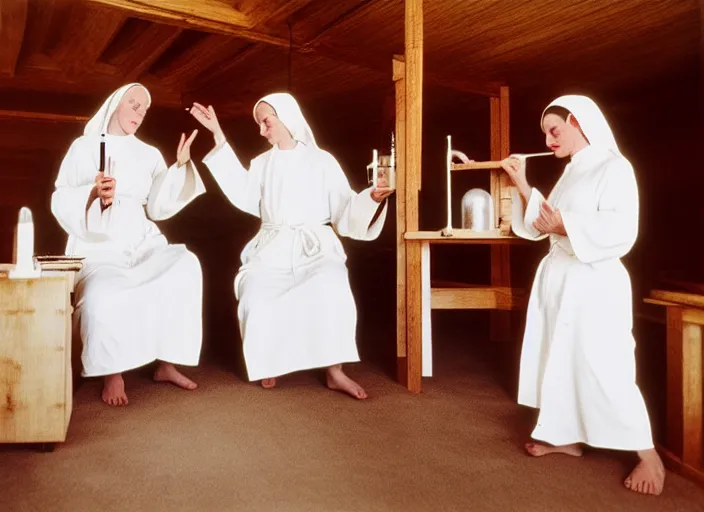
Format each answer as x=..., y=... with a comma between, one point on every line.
x=592, y=121
x=98, y=124
x=289, y=112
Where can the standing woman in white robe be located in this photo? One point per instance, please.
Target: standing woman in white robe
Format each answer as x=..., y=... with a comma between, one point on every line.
x=139, y=299
x=578, y=362
x=296, y=310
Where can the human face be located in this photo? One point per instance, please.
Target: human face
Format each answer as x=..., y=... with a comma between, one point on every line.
x=564, y=138
x=130, y=112
x=271, y=127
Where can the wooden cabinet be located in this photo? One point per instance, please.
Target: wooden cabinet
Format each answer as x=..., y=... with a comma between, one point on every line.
x=36, y=378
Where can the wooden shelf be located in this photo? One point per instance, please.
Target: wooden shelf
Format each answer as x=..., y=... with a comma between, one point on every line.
x=686, y=299
x=464, y=236
x=478, y=297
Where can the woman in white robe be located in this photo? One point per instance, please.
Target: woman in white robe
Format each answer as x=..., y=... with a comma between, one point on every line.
x=138, y=298
x=295, y=306
x=578, y=362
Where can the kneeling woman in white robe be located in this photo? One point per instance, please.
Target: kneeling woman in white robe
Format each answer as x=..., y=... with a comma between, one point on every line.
x=578, y=362
x=296, y=310
x=139, y=299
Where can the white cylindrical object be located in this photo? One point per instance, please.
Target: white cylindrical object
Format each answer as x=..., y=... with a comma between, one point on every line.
x=24, y=247
x=449, y=185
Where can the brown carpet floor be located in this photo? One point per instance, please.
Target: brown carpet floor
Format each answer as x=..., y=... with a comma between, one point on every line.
x=232, y=446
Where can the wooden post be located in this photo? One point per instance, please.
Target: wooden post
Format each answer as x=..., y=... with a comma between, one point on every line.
x=684, y=387
x=500, y=327
x=399, y=77
x=413, y=156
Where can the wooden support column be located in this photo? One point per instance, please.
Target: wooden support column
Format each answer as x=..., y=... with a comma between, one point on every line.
x=500, y=327
x=399, y=77
x=684, y=386
x=413, y=158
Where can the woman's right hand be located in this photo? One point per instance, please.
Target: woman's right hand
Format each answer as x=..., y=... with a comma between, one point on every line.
x=516, y=170
x=207, y=117
x=105, y=188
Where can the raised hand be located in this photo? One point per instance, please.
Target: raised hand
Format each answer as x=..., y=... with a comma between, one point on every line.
x=207, y=117
x=183, y=153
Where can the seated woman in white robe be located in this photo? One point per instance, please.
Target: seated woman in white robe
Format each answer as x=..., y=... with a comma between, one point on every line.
x=139, y=299
x=578, y=362
x=296, y=310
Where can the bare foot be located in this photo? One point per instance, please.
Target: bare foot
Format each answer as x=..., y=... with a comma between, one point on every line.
x=338, y=381
x=268, y=383
x=114, y=390
x=540, y=449
x=166, y=372
x=648, y=477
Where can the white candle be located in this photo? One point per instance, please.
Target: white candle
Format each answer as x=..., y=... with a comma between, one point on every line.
x=24, y=247
x=392, y=163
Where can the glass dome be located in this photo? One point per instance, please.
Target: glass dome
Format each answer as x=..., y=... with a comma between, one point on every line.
x=477, y=210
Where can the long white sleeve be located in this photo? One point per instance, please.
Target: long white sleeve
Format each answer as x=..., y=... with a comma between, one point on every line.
x=70, y=199
x=522, y=219
x=241, y=187
x=351, y=213
x=172, y=189
x=611, y=231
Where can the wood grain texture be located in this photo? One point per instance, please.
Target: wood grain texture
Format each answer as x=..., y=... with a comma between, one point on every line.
x=35, y=376
x=338, y=47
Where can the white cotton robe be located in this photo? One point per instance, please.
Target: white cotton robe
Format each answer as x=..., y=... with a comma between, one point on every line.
x=577, y=362
x=139, y=299
x=296, y=310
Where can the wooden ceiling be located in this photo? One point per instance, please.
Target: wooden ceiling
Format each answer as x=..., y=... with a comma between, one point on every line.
x=230, y=52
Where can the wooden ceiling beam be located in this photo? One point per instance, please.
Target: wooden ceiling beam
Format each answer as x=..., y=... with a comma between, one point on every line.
x=77, y=56
x=15, y=115
x=206, y=16
x=202, y=56
x=13, y=19
x=264, y=15
x=211, y=76
x=349, y=15
x=147, y=49
x=203, y=11
x=383, y=64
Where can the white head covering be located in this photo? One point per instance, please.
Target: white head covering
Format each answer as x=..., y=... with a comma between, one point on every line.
x=99, y=122
x=288, y=111
x=592, y=121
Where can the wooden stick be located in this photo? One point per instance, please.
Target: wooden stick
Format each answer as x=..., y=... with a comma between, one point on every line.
x=448, y=228
x=492, y=164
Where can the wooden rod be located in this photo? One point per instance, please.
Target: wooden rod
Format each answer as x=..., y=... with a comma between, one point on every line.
x=492, y=164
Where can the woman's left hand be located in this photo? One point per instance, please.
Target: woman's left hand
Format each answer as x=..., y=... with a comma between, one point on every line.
x=379, y=194
x=183, y=153
x=382, y=190
x=549, y=220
